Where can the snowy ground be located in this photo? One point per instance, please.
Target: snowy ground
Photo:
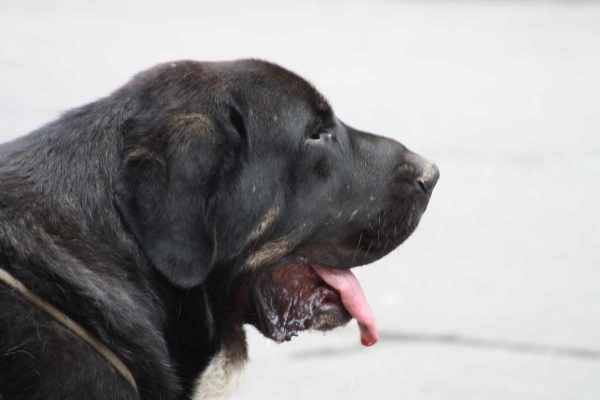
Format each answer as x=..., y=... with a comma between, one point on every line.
x=497, y=294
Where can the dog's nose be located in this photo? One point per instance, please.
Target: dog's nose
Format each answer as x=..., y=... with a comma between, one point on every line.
x=429, y=177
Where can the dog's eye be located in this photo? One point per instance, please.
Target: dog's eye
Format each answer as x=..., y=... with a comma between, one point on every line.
x=320, y=135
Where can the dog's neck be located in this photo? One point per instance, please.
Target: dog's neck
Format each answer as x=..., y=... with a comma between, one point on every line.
x=78, y=198
x=73, y=160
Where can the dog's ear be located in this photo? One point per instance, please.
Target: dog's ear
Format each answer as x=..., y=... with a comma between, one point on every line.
x=170, y=169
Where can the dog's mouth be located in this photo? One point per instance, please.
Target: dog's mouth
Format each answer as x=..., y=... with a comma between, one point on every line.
x=298, y=297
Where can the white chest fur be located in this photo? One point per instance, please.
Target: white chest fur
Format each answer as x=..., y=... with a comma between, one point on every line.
x=224, y=373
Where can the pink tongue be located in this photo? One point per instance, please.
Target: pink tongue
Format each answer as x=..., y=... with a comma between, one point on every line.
x=353, y=299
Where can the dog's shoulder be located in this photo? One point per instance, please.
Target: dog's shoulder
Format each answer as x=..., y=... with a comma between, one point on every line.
x=41, y=359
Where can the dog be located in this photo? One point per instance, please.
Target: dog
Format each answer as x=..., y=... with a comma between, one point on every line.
x=139, y=233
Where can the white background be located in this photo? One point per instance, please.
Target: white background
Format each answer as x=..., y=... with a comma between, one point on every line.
x=505, y=96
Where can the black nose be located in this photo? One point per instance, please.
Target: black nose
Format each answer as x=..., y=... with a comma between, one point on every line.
x=429, y=177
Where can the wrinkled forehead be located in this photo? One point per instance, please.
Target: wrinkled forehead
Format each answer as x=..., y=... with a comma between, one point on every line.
x=272, y=85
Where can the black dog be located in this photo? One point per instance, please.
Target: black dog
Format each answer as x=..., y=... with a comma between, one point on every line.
x=140, y=232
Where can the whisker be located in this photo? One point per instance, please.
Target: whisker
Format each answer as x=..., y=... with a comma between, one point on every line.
x=357, y=247
x=367, y=253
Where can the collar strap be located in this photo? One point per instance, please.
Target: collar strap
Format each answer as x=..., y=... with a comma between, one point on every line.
x=71, y=325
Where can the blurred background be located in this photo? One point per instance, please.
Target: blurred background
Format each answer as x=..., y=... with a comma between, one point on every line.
x=497, y=294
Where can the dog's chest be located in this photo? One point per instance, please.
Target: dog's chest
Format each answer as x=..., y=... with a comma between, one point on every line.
x=221, y=378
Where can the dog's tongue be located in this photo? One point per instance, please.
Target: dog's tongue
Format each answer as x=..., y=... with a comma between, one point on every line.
x=353, y=299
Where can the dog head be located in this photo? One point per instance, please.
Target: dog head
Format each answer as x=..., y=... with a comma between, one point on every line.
x=239, y=173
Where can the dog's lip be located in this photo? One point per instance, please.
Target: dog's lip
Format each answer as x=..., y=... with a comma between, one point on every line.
x=341, y=284
x=287, y=300
x=344, y=282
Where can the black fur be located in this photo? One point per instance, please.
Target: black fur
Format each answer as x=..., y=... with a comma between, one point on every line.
x=132, y=216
